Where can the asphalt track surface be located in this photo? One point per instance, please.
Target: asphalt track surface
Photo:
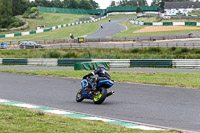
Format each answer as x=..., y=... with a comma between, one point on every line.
x=109, y=29
x=170, y=107
x=157, y=105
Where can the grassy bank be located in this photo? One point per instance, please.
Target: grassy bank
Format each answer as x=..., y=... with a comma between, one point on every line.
x=131, y=28
x=53, y=19
x=16, y=119
x=188, y=80
x=49, y=20
x=105, y=53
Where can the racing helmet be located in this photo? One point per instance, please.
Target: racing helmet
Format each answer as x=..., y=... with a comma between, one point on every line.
x=101, y=66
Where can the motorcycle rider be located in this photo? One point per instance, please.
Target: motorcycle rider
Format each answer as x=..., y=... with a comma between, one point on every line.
x=102, y=75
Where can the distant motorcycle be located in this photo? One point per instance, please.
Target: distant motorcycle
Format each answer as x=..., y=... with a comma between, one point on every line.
x=98, y=95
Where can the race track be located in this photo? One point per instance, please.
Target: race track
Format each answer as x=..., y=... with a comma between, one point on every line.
x=163, y=106
x=109, y=29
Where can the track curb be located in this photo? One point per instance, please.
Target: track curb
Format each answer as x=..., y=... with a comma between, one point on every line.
x=80, y=115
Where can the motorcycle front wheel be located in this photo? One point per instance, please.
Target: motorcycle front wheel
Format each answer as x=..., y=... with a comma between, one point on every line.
x=79, y=97
x=100, y=96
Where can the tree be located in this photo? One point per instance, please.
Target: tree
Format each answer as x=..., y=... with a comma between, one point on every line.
x=84, y=4
x=113, y=4
x=139, y=9
x=73, y=4
x=66, y=3
x=57, y=3
x=19, y=7
x=132, y=3
x=94, y=4
x=5, y=13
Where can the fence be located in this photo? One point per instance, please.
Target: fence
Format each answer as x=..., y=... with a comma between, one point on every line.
x=131, y=44
x=98, y=11
x=169, y=63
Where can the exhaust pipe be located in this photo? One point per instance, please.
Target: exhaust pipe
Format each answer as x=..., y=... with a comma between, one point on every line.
x=110, y=93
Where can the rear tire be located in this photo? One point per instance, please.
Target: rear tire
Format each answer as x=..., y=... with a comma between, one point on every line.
x=101, y=96
x=79, y=97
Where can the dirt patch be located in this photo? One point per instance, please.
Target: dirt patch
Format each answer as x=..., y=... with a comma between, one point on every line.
x=165, y=28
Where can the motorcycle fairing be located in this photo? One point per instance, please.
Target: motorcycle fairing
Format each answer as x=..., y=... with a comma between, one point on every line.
x=105, y=83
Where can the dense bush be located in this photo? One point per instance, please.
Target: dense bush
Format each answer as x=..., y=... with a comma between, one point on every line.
x=11, y=22
x=31, y=12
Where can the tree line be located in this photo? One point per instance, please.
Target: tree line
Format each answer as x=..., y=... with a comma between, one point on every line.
x=73, y=4
x=159, y=3
x=129, y=3
x=10, y=8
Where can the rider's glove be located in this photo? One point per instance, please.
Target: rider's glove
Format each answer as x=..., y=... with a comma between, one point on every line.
x=85, y=77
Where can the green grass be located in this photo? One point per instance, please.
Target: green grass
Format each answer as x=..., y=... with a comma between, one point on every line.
x=49, y=20
x=16, y=119
x=62, y=33
x=197, y=12
x=104, y=53
x=155, y=19
x=53, y=19
x=188, y=80
x=131, y=28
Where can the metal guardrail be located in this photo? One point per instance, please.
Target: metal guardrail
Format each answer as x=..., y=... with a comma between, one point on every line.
x=186, y=63
x=170, y=63
x=42, y=62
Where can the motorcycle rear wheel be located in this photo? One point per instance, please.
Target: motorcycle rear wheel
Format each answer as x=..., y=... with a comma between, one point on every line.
x=79, y=97
x=102, y=94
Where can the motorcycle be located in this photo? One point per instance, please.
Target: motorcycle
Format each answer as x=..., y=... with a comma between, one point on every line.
x=98, y=95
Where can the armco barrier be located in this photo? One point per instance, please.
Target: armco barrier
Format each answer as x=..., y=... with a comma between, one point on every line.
x=186, y=63
x=151, y=63
x=14, y=61
x=170, y=63
x=43, y=62
x=1, y=61
x=165, y=23
x=71, y=62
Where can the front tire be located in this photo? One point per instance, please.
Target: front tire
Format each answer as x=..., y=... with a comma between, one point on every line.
x=102, y=93
x=79, y=97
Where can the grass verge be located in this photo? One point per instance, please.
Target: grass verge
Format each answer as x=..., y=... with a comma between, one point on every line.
x=16, y=119
x=104, y=53
x=188, y=80
x=131, y=28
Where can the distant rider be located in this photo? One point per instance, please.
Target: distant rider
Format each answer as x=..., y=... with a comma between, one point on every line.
x=102, y=75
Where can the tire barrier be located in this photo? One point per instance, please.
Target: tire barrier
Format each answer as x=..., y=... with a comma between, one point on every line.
x=161, y=63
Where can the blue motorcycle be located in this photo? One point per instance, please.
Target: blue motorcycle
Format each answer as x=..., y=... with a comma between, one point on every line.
x=98, y=95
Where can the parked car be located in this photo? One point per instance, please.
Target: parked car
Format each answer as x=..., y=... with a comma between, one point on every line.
x=29, y=45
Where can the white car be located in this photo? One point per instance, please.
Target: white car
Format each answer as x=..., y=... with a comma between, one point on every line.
x=29, y=45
